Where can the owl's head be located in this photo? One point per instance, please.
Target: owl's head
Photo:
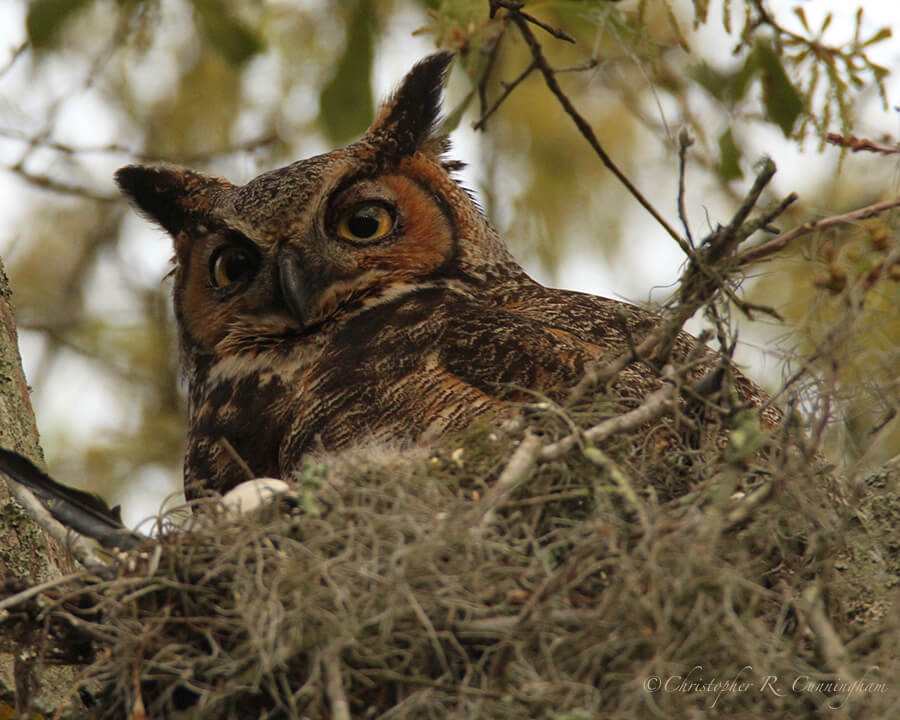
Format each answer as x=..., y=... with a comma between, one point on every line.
x=293, y=248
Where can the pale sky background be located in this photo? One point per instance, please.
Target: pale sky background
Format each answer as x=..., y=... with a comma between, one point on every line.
x=83, y=404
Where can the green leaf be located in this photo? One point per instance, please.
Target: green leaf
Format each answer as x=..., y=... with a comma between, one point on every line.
x=741, y=79
x=46, y=18
x=783, y=103
x=729, y=157
x=346, y=100
x=714, y=82
x=726, y=87
x=232, y=38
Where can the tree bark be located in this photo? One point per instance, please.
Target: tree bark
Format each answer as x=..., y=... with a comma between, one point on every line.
x=27, y=554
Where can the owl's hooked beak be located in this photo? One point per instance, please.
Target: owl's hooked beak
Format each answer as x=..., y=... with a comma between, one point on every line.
x=295, y=288
x=303, y=282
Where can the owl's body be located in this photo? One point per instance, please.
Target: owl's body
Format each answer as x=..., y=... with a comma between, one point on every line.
x=362, y=295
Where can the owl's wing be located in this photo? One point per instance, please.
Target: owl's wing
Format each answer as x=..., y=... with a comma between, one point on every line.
x=82, y=511
x=504, y=353
x=597, y=320
x=610, y=325
x=542, y=338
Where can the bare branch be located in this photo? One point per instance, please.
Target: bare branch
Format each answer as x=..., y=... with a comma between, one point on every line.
x=705, y=275
x=721, y=243
x=486, y=72
x=37, y=589
x=856, y=144
x=531, y=451
x=746, y=507
x=507, y=89
x=829, y=641
x=770, y=247
x=516, y=7
x=655, y=404
x=517, y=470
x=117, y=149
x=522, y=21
x=684, y=142
x=47, y=183
x=334, y=686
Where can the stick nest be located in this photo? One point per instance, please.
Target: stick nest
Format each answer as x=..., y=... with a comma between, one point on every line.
x=653, y=579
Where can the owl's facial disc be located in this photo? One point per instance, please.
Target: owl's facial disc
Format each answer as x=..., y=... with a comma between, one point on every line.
x=371, y=237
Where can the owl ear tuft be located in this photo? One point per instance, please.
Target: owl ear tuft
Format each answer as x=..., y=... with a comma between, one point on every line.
x=171, y=196
x=408, y=120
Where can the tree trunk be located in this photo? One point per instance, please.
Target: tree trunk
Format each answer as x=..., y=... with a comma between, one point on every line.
x=27, y=554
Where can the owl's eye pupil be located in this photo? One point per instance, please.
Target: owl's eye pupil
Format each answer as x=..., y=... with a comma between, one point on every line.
x=229, y=264
x=365, y=223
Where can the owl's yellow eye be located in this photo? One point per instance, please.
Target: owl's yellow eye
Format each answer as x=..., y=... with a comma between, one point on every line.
x=230, y=264
x=365, y=223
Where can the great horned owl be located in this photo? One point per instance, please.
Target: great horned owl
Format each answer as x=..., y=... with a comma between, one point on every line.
x=362, y=295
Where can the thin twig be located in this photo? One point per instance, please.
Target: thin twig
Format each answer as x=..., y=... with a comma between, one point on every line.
x=583, y=126
x=116, y=149
x=46, y=182
x=856, y=144
x=531, y=451
x=706, y=272
x=334, y=686
x=515, y=7
x=824, y=417
x=699, y=282
x=496, y=626
x=396, y=677
x=829, y=641
x=655, y=404
x=235, y=455
x=723, y=242
x=488, y=67
x=684, y=142
x=552, y=497
x=138, y=711
x=426, y=623
x=777, y=243
x=581, y=67
x=517, y=471
x=744, y=509
x=30, y=592
x=507, y=89
x=764, y=221
x=623, y=483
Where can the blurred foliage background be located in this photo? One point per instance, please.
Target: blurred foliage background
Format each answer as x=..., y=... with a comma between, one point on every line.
x=235, y=87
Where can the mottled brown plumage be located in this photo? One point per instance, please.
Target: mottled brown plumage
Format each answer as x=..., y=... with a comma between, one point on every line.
x=362, y=295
